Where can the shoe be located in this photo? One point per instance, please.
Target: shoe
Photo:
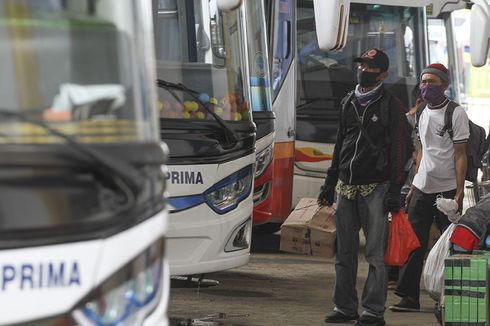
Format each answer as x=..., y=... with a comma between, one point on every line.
x=391, y=285
x=406, y=304
x=368, y=320
x=337, y=317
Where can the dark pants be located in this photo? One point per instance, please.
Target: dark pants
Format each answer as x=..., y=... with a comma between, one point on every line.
x=421, y=213
x=352, y=215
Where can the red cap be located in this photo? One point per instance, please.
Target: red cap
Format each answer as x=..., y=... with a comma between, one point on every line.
x=437, y=69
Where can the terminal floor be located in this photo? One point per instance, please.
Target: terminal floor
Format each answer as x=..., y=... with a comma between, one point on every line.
x=275, y=288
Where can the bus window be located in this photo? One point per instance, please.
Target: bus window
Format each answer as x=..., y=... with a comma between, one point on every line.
x=325, y=78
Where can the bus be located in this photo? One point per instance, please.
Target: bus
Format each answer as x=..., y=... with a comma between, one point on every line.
x=206, y=121
x=82, y=191
x=410, y=32
x=262, y=115
x=324, y=78
x=281, y=31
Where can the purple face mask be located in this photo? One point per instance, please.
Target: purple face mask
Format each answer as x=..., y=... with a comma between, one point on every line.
x=432, y=94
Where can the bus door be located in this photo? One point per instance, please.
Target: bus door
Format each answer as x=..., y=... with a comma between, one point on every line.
x=281, y=29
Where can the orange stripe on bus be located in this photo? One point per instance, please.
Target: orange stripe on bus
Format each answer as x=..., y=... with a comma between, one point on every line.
x=283, y=150
x=310, y=154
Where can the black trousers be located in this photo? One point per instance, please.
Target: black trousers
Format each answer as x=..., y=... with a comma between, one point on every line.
x=421, y=213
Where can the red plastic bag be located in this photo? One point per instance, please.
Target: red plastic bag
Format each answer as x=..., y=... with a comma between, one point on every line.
x=402, y=240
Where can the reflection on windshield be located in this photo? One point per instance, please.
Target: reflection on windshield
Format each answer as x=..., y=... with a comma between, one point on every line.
x=324, y=78
x=200, y=48
x=74, y=64
x=257, y=52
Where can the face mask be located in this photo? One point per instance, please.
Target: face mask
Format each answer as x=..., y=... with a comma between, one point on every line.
x=366, y=78
x=432, y=94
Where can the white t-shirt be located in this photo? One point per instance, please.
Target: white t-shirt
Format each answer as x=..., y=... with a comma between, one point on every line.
x=436, y=171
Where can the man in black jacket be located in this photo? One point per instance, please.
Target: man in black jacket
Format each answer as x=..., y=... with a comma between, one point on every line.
x=368, y=171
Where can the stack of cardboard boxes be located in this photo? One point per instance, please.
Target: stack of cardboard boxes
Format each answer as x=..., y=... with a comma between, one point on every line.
x=309, y=230
x=466, y=285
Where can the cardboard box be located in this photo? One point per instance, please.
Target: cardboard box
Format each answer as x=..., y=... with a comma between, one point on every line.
x=474, y=289
x=457, y=271
x=448, y=291
x=295, y=234
x=309, y=230
x=465, y=289
x=323, y=232
x=483, y=290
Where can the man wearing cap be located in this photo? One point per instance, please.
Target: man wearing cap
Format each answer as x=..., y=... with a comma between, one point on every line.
x=441, y=171
x=367, y=172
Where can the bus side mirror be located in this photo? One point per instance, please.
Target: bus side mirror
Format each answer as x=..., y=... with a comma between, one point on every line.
x=228, y=5
x=480, y=33
x=332, y=21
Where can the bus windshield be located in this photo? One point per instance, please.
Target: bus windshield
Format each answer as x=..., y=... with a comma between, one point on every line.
x=74, y=65
x=325, y=78
x=201, y=48
x=78, y=119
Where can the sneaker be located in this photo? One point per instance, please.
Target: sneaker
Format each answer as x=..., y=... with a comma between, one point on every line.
x=406, y=304
x=368, y=320
x=391, y=285
x=336, y=317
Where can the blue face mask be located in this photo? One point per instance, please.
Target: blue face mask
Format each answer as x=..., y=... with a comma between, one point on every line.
x=432, y=94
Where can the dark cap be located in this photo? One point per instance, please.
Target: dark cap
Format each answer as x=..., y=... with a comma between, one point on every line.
x=374, y=58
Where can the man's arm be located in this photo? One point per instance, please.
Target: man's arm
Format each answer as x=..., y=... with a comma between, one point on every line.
x=327, y=191
x=419, y=157
x=333, y=170
x=461, y=133
x=460, y=165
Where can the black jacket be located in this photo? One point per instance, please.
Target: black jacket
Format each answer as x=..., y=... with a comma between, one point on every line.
x=355, y=161
x=477, y=219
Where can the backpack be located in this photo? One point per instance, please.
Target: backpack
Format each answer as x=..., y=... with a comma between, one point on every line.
x=385, y=121
x=477, y=142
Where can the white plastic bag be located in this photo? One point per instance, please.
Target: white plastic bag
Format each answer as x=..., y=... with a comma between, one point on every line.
x=449, y=207
x=434, y=265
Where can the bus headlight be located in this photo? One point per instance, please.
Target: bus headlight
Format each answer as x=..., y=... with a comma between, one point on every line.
x=229, y=192
x=263, y=159
x=127, y=297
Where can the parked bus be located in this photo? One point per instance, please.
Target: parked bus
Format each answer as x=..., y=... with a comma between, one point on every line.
x=82, y=214
x=324, y=78
x=261, y=105
x=281, y=32
x=207, y=123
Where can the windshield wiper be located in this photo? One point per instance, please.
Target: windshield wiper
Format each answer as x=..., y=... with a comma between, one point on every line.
x=230, y=135
x=123, y=175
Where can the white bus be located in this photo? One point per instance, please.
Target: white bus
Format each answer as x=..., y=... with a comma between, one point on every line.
x=206, y=121
x=82, y=216
x=403, y=29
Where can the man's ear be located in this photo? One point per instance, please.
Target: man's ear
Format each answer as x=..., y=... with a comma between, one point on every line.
x=445, y=85
x=383, y=75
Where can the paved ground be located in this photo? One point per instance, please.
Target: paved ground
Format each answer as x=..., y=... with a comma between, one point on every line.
x=275, y=288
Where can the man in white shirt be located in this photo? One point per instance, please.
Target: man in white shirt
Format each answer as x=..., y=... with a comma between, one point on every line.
x=441, y=171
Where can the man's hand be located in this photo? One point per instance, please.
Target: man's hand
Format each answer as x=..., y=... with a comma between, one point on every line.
x=325, y=198
x=408, y=198
x=459, y=199
x=391, y=202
